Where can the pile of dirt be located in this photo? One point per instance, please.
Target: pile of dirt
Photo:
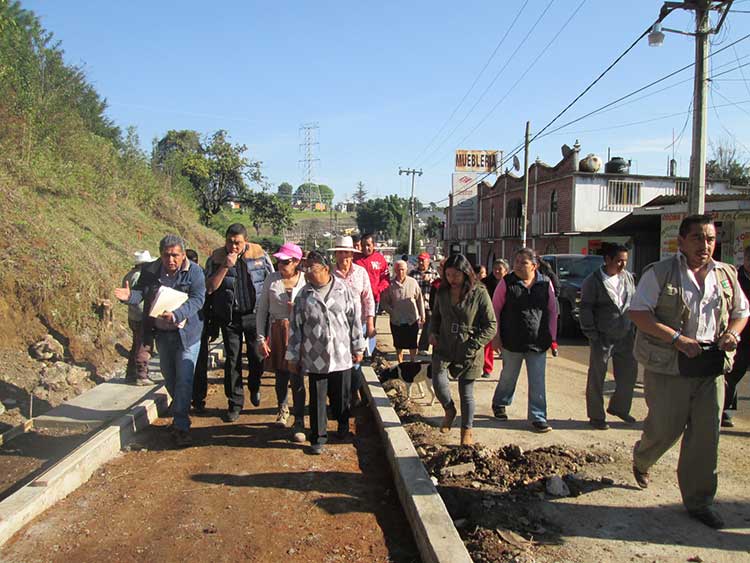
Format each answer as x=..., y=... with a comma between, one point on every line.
x=494, y=495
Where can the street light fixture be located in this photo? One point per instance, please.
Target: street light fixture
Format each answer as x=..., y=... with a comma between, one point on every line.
x=702, y=8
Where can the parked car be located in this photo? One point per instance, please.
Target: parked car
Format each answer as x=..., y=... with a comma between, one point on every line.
x=571, y=269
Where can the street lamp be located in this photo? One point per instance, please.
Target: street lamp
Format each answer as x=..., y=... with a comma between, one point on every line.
x=702, y=8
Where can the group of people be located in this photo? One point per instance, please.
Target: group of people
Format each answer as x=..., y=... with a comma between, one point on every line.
x=314, y=315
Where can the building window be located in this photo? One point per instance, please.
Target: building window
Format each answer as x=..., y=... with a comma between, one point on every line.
x=514, y=208
x=553, y=201
x=620, y=195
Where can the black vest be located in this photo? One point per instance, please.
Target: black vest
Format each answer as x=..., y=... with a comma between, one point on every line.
x=524, y=320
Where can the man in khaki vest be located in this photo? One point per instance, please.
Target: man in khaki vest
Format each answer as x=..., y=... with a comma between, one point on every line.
x=690, y=311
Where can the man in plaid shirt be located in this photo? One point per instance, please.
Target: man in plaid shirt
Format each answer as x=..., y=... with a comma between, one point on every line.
x=425, y=275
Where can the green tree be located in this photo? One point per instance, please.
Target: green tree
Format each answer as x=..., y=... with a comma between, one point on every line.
x=433, y=228
x=360, y=194
x=170, y=151
x=728, y=163
x=285, y=191
x=326, y=194
x=388, y=216
x=268, y=209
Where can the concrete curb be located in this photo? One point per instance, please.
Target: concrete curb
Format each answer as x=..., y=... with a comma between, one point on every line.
x=77, y=467
x=436, y=536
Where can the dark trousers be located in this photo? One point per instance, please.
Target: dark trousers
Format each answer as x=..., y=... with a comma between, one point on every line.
x=424, y=337
x=625, y=370
x=335, y=386
x=139, y=354
x=241, y=328
x=200, y=379
x=297, y=380
x=732, y=379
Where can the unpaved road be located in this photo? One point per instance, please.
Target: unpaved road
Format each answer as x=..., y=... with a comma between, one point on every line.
x=242, y=493
x=617, y=523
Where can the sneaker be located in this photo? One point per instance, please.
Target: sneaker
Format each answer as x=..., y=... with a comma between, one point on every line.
x=144, y=382
x=298, y=435
x=316, y=449
x=726, y=421
x=232, y=415
x=182, y=438
x=709, y=517
x=599, y=424
x=541, y=426
x=622, y=416
x=499, y=413
x=255, y=398
x=282, y=417
x=486, y=375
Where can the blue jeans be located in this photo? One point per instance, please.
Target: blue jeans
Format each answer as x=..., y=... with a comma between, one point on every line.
x=536, y=363
x=178, y=367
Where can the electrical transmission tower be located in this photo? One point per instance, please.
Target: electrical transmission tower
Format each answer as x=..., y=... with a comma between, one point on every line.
x=309, y=133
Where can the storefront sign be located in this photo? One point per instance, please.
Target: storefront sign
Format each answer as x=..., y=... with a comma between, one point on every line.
x=477, y=161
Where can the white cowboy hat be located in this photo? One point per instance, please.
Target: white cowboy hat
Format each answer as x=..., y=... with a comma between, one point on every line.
x=143, y=256
x=344, y=243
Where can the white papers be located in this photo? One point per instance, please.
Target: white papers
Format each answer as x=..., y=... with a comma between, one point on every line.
x=167, y=299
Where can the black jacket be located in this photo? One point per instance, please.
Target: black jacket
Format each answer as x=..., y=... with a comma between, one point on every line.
x=524, y=318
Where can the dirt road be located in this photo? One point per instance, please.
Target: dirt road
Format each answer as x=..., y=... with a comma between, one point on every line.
x=615, y=522
x=244, y=492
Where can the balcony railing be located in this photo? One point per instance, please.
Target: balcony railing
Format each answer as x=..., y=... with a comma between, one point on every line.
x=511, y=227
x=544, y=222
x=484, y=230
x=460, y=232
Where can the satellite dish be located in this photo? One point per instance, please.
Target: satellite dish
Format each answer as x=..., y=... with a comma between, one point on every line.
x=516, y=163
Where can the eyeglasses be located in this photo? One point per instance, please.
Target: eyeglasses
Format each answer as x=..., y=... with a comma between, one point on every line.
x=285, y=262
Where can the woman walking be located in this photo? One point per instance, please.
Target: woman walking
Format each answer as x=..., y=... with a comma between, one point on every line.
x=463, y=322
x=275, y=305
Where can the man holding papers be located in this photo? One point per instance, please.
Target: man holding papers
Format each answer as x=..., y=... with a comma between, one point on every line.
x=173, y=290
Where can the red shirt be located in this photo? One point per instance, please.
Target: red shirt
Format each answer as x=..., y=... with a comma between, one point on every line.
x=377, y=270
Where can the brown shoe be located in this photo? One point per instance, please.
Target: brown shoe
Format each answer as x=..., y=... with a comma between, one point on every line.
x=641, y=477
x=450, y=416
x=467, y=437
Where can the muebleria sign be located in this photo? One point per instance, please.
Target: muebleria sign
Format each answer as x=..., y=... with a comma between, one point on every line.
x=476, y=161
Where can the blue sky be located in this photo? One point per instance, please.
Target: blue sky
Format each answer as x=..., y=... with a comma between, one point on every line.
x=381, y=79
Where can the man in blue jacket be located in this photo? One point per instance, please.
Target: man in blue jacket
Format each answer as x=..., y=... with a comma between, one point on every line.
x=177, y=333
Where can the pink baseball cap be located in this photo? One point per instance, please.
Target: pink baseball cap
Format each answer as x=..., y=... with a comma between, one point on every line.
x=288, y=251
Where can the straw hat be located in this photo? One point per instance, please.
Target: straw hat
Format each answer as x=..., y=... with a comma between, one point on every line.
x=344, y=243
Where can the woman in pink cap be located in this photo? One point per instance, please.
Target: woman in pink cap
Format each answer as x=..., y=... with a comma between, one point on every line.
x=273, y=313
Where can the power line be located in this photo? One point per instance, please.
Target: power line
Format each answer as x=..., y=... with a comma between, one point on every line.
x=476, y=80
x=598, y=78
x=523, y=75
x=492, y=83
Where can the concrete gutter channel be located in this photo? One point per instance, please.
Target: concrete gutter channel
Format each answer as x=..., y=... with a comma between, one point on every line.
x=436, y=536
x=433, y=529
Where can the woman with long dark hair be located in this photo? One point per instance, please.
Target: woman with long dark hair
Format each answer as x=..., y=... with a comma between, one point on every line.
x=463, y=323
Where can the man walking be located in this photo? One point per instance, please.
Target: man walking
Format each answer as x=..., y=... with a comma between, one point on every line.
x=689, y=311
x=376, y=267
x=742, y=357
x=425, y=274
x=325, y=340
x=234, y=277
x=177, y=332
x=605, y=299
x=137, y=370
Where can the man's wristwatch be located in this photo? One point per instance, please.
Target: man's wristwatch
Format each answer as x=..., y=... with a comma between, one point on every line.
x=734, y=333
x=675, y=336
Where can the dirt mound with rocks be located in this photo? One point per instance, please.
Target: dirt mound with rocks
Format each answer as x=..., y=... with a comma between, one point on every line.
x=495, y=495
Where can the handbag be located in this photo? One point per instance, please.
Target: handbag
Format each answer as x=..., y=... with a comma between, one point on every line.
x=709, y=363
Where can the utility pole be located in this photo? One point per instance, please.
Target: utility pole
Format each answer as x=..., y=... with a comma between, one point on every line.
x=525, y=211
x=410, y=172
x=697, y=193
x=697, y=196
